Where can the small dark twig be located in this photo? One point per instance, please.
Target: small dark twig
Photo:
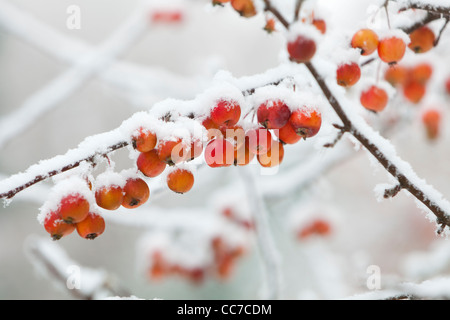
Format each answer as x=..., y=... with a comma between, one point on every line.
x=441, y=31
x=339, y=136
x=276, y=13
x=392, y=192
x=298, y=6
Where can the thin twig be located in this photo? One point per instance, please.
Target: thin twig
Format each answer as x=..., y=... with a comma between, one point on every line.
x=298, y=6
x=436, y=42
x=276, y=13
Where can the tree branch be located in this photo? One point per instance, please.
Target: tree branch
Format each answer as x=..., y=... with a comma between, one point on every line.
x=405, y=182
x=276, y=13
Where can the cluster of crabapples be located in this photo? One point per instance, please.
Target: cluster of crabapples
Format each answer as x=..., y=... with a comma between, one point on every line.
x=226, y=143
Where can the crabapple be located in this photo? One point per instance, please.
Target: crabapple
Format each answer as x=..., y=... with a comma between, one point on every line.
x=180, y=180
x=172, y=151
x=226, y=113
x=109, y=197
x=391, y=50
x=136, y=193
x=348, y=74
x=196, y=149
x=91, y=227
x=273, y=114
x=259, y=140
x=396, y=75
x=306, y=123
x=366, y=40
x=243, y=155
x=431, y=119
x=235, y=134
x=302, y=49
x=414, y=91
x=374, y=98
x=245, y=8
x=150, y=164
x=320, y=24
x=273, y=157
x=270, y=25
x=219, y=153
x=422, y=40
x=56, y=227
x=421, y=72
x=73, y=208
x=447, y=85
x=287, y=134
x=144, y=140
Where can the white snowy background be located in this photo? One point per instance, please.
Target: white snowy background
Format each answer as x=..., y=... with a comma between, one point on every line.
x=37, y=62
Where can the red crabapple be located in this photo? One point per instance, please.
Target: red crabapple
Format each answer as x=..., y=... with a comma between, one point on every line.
x=136, y=193
x=302, y=49
x=219, y=153
x=91, y=227
x=226, y=113
x=242, y=155
x=172, y=151
x=447, y=85
x=56, y=227
x=306, y=123
x=259, y=140
x=144, y=140
x=73, y=208
x=374, y=98
x=273, y=114
x=366, y=40
x=150, y=164
x=348, y=74
x=287, y=134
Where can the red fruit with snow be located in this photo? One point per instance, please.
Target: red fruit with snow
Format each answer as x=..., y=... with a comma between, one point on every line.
x=374, y=98
x=302, y=49
x=91, y=227
x=273, y=114
x=348, y=74
x=306, y=122
x=56, y=227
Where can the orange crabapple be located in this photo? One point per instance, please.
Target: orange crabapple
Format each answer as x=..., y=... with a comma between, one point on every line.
x=150, y=164
x=73, y=208
x=172, y=151
x=317, y=227
x=306, y=123
x=414, y=91
x=421, y=72
x=422, y=40
x=431, y=119
x=219, y=152
x=236, y=135
x=242, y=155
x=195, y=149
x=273, y=157
x=245, y=8
x=320, y=24
x=270, y=25
x=144, y=140
x=56, y=227
x=136, y=193
x=259, y=140
x=366, y=40
x=396, y=75
x=109, y=197
x=302, y=49
x=91, y=227
x=287, y=134
x=180, y=180
x=374, y=98
x=391, y=49
x=273, y=114
x=348, y=74
x=226, y=113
